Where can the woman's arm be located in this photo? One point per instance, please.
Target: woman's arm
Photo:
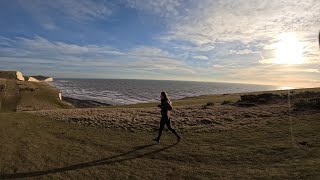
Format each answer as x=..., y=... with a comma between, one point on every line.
x=168, y=105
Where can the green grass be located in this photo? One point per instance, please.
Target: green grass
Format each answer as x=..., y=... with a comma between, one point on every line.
x=26, y=96
x=10, y=97
x=8, y=74
x=45, y=97
x=38, y=147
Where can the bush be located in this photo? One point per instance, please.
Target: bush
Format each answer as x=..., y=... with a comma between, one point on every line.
x=207, y=105
x=2, y=87
x=262, y=98
x=210, y=104
x=226, y=102
x=307, y=94
x=246, y=104
x=313, y=103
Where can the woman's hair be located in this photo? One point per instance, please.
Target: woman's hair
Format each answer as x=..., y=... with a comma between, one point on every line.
x=164, y=95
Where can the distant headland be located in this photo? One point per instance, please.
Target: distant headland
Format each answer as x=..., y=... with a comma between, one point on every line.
x=17, y=75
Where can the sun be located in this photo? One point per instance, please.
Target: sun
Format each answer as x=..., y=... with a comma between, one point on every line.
x=289, y=49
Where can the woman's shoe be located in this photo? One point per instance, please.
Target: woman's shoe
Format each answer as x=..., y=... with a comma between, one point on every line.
x=156, y=140
x=178, y=138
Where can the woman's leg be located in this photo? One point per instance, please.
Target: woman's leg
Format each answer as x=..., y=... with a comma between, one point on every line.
x=162, y=123
x=169, y=125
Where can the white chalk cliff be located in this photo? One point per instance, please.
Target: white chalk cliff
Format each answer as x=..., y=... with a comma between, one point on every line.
x=39, y=79
x=19, y=76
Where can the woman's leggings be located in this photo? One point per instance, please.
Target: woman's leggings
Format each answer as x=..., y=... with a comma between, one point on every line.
x=166, y=121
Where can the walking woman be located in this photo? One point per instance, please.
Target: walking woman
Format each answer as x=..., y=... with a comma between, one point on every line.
x=166, y=107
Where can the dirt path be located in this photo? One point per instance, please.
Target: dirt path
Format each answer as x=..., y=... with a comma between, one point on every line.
x=10, y=97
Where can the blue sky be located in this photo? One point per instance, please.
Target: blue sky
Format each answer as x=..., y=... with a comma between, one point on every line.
x=208, y=40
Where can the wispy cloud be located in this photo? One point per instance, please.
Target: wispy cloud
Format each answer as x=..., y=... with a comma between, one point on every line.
x=165, y=8
x=200, y=57
x=240, y=36
x=40, y=50
x=245, y=20
x=39, y=47
x=251, y=24
x=47, y=12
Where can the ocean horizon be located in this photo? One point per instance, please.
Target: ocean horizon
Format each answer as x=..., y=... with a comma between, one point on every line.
x=132, y=91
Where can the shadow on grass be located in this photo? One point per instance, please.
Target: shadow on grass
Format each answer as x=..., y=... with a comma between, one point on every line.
x=100, y=162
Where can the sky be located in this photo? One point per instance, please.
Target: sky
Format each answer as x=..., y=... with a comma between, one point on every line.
x=270, y=42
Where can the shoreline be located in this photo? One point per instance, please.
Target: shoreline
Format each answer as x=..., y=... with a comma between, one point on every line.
x=82, y=103
x=85, y=103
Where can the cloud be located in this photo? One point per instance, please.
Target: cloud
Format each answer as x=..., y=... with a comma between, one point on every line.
x=41, y=55
x=164, y=8
x=47, y=13
x=200, y=57
x=144, y=51
x=245, y=20
x=241, y=36
x=39, y=46
x=217, y=66
x=253, y=25
x=49, y=25
x=242, y=52
x=220, y=40
x=39, y=50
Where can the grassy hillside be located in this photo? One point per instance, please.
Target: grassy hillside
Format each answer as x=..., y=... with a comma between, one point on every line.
x=31, y=147
x=38, y=96
x=8, y=75
x=10, y=96
x=266, y=141
x=28, y=96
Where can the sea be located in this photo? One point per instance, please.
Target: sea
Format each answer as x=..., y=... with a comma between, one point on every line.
x=129, y=91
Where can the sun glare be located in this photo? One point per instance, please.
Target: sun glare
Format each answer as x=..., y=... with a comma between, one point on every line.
x=289, y=49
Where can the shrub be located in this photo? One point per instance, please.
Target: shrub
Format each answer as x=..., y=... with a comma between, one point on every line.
x=246, y=104
x=263, y=98
x=210, y=104
x=307, y=94
x=2, y=87
x=226, y=102
x=313, y=103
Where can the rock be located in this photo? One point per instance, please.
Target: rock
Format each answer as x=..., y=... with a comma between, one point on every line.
x=248, y=116
x=264, y=115
x=205, y=121
x=230, y=118
x=246, y=104
x=303, y=143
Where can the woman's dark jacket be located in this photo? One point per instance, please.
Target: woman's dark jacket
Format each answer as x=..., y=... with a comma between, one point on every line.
x=166, y=107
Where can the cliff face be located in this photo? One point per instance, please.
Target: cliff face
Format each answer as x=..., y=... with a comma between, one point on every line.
x=32, y=79
x=50, y=79
x=39, y=79
x=19, y=76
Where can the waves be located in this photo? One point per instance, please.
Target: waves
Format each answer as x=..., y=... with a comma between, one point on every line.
x=122, y=91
